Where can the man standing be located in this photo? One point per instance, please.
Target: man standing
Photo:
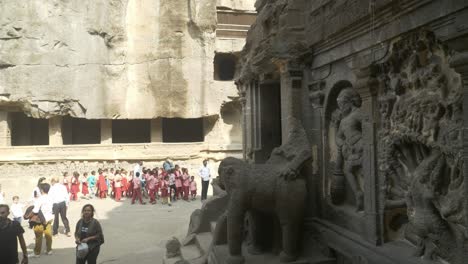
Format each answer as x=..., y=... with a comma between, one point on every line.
x=205, y=176
x=60, y=199
x=10, y=233
x=43, y=205
x=138, y=168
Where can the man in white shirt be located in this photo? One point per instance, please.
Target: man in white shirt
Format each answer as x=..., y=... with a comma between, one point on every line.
x=205, y=176
x=43, y=207
x=59, y=195
x=138, y=168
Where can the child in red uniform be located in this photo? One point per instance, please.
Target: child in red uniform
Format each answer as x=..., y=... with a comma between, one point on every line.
x=151, y=183
x=137, y=189
x=164, y=192
x=193, y=188
x=124, y=183
x=75, y=186
x=178, y=184
x=185, y=183
x=84, y=184
x=117, y=186
x=130, y=185
x=66, y=181
x=102, y=185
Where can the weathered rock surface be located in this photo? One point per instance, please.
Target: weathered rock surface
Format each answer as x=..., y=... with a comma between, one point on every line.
x=110, y=59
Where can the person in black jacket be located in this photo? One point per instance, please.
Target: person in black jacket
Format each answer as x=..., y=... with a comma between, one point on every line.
x=88, y=230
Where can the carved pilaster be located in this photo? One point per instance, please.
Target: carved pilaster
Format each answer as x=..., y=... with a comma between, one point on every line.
x=5, y=130
x=366, y=85
x=460, y=63
x=291, y=94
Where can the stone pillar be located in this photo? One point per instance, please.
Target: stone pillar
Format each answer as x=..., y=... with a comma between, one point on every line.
x=55, y=131
x=242, y=90
x=156, y=130
x=291, y=96
x=5, y=130
x=106, y=131
x=366, y=85
x=460, y=63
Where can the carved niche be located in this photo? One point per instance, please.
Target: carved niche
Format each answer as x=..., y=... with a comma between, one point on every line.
x=345, y=145
x=420, y=155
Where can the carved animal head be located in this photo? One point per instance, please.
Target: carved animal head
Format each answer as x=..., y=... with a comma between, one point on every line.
x=229, y=170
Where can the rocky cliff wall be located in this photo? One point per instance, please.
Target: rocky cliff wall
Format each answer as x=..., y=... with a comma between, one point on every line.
x=109, y=59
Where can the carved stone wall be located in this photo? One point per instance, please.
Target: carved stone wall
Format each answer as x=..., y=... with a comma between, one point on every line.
x=384, y=105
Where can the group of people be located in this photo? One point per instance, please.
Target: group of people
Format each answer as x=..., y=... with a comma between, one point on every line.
x=41, y=215
x=168, y=183
x=50, y=201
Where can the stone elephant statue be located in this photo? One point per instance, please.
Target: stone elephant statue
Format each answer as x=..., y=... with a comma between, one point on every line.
x=267, y=189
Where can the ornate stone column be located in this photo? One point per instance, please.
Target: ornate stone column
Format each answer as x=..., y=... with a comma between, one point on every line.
x=106, y=131
x=55, y=131
x=5, y=130
x=460, y=63
x=366, y=85
x=291, y=94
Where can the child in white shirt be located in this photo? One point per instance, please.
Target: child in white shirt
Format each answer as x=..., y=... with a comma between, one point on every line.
x=17, y=210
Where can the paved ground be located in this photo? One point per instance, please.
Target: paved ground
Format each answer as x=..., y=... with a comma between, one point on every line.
x=133, y=233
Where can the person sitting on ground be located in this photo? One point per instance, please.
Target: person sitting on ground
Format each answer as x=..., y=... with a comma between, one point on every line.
x=10, y=233
x=88, y=230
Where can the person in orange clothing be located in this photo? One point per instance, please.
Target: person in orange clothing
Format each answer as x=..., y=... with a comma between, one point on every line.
x=102, y=185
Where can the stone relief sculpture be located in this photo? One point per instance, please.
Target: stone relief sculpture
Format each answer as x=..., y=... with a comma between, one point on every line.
x=420, y=146
x=348, y=126
x=274, y=187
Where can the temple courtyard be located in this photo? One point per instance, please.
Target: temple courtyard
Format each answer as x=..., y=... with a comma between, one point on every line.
x=133, y=233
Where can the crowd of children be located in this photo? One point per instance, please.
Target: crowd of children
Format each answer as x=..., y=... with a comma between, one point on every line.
x=168, y=185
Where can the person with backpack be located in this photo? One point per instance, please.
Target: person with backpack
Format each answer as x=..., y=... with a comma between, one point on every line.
x=88, y=234
x=43, y=208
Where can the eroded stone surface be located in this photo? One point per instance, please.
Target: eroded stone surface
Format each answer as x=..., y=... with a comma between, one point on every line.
x=111, y=59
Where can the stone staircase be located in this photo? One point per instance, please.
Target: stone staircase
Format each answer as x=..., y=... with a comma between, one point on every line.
x=199, y=249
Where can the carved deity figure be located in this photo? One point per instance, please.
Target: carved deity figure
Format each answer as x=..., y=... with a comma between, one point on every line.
x=349, y=142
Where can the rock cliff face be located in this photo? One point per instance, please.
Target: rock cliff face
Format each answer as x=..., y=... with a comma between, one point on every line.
x=109, y=59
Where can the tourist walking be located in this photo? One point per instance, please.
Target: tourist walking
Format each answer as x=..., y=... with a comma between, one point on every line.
x=205, y=176
x=88, y=230
x=10, y=233
x=43, y=208
x=60, y=200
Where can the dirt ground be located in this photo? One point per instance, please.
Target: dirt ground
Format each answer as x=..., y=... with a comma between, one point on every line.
x=133, y=233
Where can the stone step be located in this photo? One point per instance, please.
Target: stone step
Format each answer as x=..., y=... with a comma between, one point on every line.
x=190, y=252
x=203, y=241
x=220, y=253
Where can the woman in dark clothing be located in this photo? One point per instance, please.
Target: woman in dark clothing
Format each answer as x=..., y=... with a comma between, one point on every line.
x=88, y=230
